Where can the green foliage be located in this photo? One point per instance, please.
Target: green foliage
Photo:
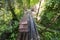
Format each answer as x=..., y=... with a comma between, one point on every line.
x=33, y=2
x=6, y=21
x=51, y=36
x=50, y=19
x=53, y=5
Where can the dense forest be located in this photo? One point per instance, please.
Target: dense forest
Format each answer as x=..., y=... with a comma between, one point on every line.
x=46, y=17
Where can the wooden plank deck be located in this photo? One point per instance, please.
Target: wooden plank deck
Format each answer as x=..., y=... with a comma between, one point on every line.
x=23, y=29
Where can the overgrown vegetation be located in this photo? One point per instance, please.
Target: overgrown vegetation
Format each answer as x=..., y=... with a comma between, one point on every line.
x=11, y=12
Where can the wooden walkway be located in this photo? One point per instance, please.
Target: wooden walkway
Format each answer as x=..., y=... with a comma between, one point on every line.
x=27, y=28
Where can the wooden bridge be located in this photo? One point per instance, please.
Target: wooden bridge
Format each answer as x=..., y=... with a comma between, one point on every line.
x=27, y=28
